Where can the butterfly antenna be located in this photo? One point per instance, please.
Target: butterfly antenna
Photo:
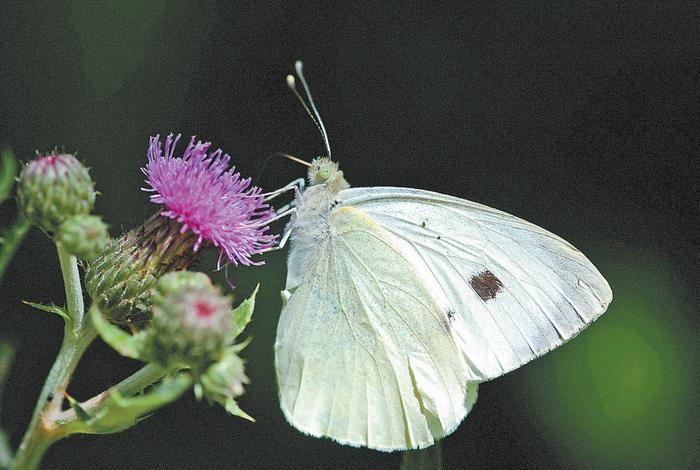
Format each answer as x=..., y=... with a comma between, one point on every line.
x=315, y=116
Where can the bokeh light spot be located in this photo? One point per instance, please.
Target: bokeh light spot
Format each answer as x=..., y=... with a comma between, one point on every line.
x=623, y=393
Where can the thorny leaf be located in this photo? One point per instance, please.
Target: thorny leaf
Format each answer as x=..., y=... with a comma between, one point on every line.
x=124, y=343
x=243, y=313
x=51, y=308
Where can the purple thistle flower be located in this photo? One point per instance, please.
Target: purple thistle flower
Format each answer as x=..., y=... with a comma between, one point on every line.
x=210, y=200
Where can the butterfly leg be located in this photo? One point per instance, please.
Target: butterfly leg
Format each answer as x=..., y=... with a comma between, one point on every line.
x=284, y=239
x=298, y=184
x=287, y=232
x=283, y=213
x=288, y=209
x=285, y=208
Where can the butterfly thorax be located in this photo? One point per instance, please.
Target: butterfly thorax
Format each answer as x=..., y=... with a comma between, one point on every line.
x=309, y=224
x=325, y=182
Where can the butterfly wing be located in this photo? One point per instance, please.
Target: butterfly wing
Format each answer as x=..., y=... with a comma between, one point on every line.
x=363, y=353
x=515, y=290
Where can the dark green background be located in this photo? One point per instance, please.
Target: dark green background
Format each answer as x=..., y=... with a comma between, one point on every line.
x=582, y=119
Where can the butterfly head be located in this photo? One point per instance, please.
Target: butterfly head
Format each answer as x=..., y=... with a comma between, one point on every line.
x=321, y=170
x=324, y=172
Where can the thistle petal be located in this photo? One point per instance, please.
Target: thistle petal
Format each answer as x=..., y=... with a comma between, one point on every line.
x=209, y=199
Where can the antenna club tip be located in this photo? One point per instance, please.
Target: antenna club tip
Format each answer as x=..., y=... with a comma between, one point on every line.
x=298, y=64
x=291, y=82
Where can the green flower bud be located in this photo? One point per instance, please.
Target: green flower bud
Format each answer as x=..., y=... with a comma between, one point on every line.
x=192, y=324
x=178, y=280
x=225, y=378
x=53, y=188
x=83, y=235
x=119, y=280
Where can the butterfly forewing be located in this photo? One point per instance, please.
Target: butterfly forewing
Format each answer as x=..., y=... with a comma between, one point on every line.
x=514, y=290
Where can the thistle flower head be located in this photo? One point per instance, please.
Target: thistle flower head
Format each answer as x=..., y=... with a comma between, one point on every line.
x=119, y=280
x=192, y=320
x=209, y=199
x=54, y=187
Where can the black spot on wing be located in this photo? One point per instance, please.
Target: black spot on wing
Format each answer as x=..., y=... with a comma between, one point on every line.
x=486, y=285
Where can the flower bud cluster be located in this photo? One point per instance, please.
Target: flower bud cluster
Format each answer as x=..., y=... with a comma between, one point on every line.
x=53, y=188
x=56, y=194
x=194, y=327
x=192, y=321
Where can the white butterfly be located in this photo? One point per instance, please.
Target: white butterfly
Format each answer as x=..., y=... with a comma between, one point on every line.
x=400, y=301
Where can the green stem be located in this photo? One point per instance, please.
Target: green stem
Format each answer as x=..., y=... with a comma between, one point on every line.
x=74, y=292
x=128, y=387
x=42, y=432
x=429, y=458
x=140, y=379
x=11, y=241
x=78, y=334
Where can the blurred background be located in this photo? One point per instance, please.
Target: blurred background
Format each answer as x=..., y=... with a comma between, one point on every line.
x=584, y=120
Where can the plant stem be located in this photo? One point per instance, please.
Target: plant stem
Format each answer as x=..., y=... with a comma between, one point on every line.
x=429, y=458
x=12, y=239
x=78, y=334
x=42, y=432
x=140, y=379
x=74, y=292
x=128, y=387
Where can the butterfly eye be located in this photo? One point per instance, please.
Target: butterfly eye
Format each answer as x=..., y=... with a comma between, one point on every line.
x=323, y=173
x=322, y=169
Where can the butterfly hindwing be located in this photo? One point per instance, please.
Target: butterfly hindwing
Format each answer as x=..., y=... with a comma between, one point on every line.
x=364, y=354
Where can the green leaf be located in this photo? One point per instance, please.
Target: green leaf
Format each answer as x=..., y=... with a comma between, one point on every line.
x=429, y=458
x=8, y=171
x=224, y=381
x=118, y=413
x=125, y=344
x=52, y=308
x=233, y=408
x=198, y=391
x=238, y=347
x=243, y=313
x=5, y=450
x=79, y=410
